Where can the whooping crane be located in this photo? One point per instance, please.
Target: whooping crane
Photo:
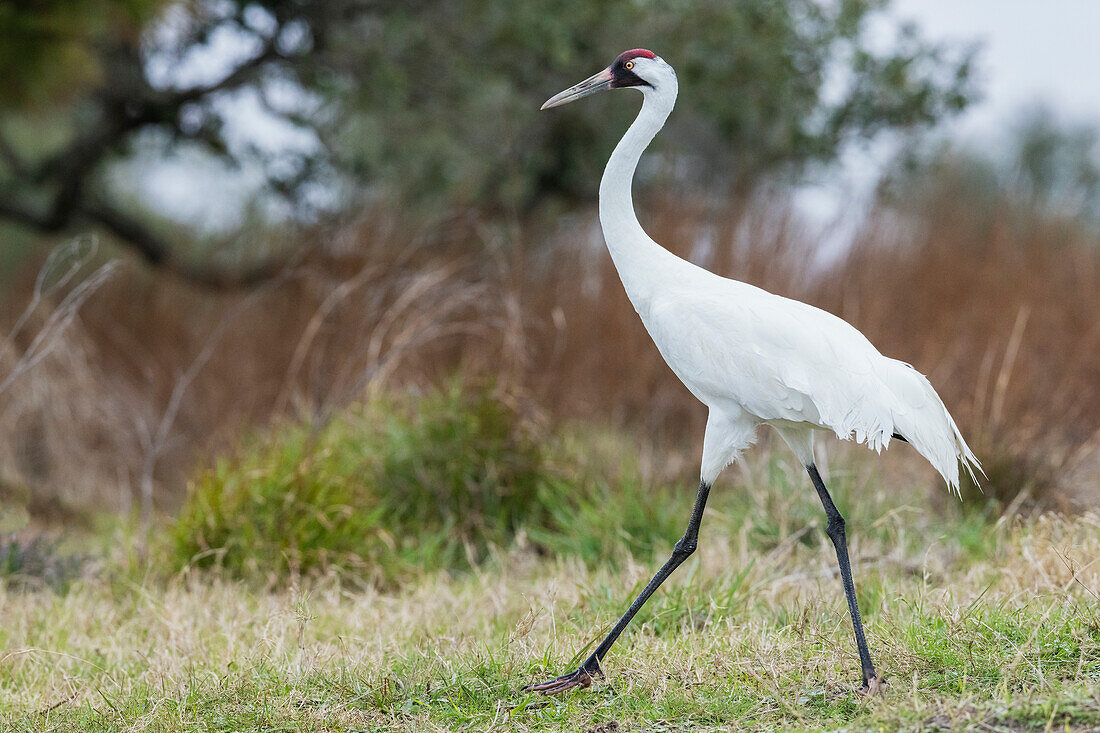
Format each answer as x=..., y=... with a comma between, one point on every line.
x=751, y=357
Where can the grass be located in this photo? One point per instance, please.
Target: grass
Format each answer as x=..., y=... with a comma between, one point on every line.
x=413, y=482
x=405, y=484
x=986, y=297
x=978, y=623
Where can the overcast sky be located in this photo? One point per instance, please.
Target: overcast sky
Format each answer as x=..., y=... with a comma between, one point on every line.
x=1031, y=52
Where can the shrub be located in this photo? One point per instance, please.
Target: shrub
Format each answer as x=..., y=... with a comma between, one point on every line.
x=416, y=483
x=405, y=483
x=38, y=562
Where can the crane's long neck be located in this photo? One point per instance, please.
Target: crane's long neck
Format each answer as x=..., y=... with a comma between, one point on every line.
x=634, y=253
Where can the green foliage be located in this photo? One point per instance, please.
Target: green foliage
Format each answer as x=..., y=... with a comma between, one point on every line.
x=1056, y=165
x=977, y=623
x=36, y=563
x=402, y=486
x=412, y=484
x=421, y=482
x=48, y=48
x=443, y=97
x=437, y=101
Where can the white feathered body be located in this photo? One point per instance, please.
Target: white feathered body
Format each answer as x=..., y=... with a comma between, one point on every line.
x=754, y=357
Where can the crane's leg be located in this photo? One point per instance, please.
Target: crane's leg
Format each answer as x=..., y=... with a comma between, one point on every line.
x=872, y=683
x=582, y=677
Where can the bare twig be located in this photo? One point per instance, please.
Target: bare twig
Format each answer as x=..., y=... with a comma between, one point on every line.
x=309, y=334
x=1004, y=376
x=77, y=254
x=155, y=440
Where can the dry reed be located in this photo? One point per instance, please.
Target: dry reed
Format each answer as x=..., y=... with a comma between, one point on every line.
x=156, y=375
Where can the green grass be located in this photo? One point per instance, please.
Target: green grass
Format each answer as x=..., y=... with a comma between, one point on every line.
x=978, y=624
x=381, y=492
x=439, y=481
x=413, y=483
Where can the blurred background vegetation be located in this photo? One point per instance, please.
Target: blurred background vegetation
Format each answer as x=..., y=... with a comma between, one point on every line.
x=252, y=247
x=425, y=103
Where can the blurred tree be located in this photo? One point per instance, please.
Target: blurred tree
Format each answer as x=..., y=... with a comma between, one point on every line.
x=85, y=79
x=437, y=101
x=448, y=109
x=1045, y=168
x=1055, y=165
x=46, y=52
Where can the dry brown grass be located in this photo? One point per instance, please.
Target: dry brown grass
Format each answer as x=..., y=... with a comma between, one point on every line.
x=156, y=375
x=1003, y=314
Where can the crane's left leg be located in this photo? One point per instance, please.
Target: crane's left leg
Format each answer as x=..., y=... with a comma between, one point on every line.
x=872, y=683
x=582, y=677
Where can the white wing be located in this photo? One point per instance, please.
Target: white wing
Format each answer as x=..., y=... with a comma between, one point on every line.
x=779, y=359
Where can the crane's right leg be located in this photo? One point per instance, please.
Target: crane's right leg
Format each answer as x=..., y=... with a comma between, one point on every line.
x=582, y=677
x=872, y=683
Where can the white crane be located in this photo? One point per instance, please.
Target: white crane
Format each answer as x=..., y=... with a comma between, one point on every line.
x=751, y=357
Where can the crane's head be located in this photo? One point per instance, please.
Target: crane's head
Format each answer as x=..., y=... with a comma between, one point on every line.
x=637, y=68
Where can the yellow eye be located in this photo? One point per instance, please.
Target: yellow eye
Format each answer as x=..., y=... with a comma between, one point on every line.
x=629, y=65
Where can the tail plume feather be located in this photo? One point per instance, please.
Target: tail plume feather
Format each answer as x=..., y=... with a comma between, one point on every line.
x=923, y=421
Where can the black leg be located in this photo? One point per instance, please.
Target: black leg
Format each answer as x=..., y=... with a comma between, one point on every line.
x=835, y=530
x=582, y=677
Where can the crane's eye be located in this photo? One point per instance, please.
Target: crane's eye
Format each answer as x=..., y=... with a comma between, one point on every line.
x=629, y=65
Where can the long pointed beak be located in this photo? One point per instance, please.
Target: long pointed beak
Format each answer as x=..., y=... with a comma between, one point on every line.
x=591, y=85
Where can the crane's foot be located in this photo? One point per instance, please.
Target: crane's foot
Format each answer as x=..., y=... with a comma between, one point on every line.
x=873, y=686
x=581, y=678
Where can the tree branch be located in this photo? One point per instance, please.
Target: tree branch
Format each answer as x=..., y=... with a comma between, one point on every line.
x=25, y=216
x=151, y=247
x=243, y=74
x=127, y=104
x=156, y=252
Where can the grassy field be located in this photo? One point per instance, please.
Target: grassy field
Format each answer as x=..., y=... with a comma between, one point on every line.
x=978, y=621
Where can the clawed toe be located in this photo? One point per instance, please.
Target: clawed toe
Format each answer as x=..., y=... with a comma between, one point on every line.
x=581, y=678
x=874, y=686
